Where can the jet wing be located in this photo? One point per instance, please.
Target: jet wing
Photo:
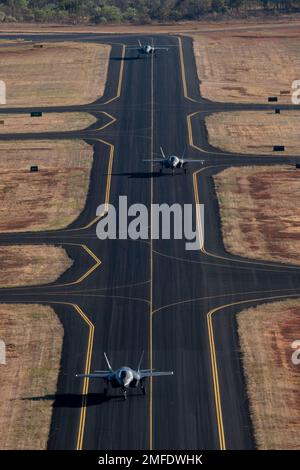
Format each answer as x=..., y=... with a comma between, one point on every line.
x=153, y=373
x=96, y=375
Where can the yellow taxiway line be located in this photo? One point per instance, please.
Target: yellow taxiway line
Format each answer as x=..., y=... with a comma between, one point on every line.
x=120, y=81
x=214, y=365
x=151, y=265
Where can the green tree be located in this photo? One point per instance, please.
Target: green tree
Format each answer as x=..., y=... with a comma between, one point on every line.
x=111, y=13
x=130, y=14
x=218, y=6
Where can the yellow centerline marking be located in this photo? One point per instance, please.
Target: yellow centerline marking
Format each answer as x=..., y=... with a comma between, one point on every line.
x=82, y=419
x=151, y=263
x=214, y=366
x=71, y=283
x=183, y=74
x=108, y=184
x=109, y=123
x=107, y=191
x=214, y=297
x=89, y=271
x=218, y=405
x=191, y=138
x=201, y=233
x=91, y=326
x=190, y=133
x=85, y=388
x=213, y=357
x=121, y=73
x=201, y=237
x=112, y=121
x=86, y=381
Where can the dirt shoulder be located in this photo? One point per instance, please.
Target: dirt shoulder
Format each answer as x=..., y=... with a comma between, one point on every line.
x=48, y=122
x=51, y=198
x=56, y=74
x=26, y=265
x=260, y=217
x=33, y=336
x=256, y=22
x=255, y=132
x=266, y=335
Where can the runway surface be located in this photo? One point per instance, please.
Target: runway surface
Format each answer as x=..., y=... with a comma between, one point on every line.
x=125, y=296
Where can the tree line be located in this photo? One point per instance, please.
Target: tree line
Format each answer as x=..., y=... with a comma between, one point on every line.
x=137, y=11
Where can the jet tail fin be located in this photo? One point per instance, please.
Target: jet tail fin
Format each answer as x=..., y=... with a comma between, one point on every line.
x=163, y=153
x=140, y=361
x=107, y=362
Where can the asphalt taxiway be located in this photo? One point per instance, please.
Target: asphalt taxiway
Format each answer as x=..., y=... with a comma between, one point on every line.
x=125, y=296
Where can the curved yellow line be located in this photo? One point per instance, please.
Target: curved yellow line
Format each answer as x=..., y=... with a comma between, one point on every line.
x=88, y=272
x=183, y=74
x=107, y=191
x=201, y=233
x=88, y=357
x=109, y=123
x=120, y=81
x=213, y=357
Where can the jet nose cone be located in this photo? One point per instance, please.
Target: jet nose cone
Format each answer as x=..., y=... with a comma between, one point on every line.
x=126, y=377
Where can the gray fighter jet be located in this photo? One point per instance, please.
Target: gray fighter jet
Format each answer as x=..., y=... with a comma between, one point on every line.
x=172, y=162
x=148, y=49
x=124, y=377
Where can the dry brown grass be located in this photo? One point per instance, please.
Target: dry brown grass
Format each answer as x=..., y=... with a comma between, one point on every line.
x=248, y=66
x=11, y=41
x=66, y=73
x=260, y=214
x=33, y=336
x=266, y=334
x=53, y=197
x=31, y=264
x=48, y=122
x=255, y=131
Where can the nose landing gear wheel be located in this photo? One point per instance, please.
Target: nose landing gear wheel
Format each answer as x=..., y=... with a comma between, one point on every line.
x=143, y=390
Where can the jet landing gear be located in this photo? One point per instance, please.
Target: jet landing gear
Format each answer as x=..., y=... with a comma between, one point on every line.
x=105, y=391
x=143, y=388
x=124, y=394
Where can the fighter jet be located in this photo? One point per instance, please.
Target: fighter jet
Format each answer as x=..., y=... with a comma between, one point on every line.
x=147, y=49
x=172, y=161
x=125, y=377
